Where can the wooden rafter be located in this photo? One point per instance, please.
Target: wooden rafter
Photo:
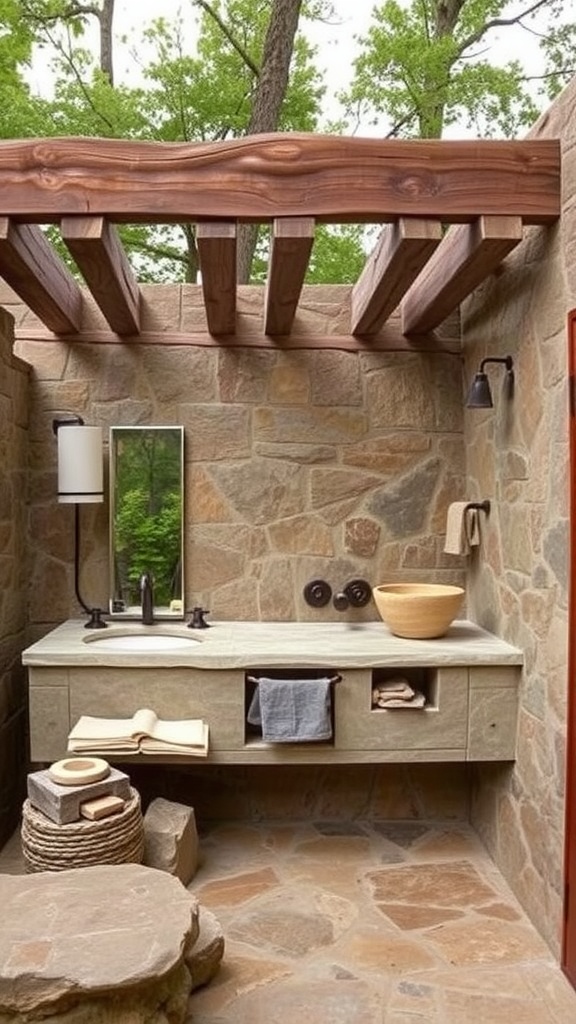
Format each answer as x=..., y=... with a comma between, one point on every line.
x=216, y=244
x=467, y=255
x=291, y=245
x=31, y=267
x=98, y=252
x=398, y=258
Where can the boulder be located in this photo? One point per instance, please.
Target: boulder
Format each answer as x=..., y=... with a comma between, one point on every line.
x=98, y=944
x=171, y=839
x=204, y=958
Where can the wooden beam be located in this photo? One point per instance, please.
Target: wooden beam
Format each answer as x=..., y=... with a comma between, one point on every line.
x=30, y=266
x=402, y=250
x=467, y=255
x=390, y=339
x=332, y=178
x=98, y=252
x=216, y=244
x=290, y=248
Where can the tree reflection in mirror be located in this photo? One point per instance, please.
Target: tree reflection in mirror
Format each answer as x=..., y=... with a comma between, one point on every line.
x=146, y=518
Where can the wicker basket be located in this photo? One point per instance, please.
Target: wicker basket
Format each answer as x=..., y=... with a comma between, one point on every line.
x=118, y=839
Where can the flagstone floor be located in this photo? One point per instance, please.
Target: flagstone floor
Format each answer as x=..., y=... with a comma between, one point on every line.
x=380, y=923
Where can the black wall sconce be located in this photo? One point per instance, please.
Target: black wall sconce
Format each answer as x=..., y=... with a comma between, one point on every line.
x=480, y=395
x=80, y=480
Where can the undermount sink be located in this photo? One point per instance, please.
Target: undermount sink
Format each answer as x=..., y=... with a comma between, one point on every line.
x=141, y=642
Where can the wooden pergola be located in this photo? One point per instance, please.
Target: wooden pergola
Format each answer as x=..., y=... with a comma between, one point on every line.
x=450, y=212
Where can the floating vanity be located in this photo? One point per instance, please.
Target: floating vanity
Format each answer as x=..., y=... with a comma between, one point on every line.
x=469, y=678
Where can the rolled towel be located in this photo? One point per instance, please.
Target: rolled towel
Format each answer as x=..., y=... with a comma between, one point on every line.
x=462, y=528
x=292, y=710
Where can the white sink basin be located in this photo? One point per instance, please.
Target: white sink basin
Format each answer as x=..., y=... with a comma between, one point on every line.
x=141, y=642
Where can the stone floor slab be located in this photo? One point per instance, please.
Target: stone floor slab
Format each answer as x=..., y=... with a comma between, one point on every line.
x=382, y=922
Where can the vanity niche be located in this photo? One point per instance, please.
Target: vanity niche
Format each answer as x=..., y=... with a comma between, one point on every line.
x=147, y=519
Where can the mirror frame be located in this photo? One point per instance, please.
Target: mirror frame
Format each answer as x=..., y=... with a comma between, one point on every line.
x=117, y=609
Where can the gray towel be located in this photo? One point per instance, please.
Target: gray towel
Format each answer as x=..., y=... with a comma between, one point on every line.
x=292, y=710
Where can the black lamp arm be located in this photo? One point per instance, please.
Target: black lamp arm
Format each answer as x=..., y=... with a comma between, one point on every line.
x=95, y=621
x=507, y=360
x=71, y=421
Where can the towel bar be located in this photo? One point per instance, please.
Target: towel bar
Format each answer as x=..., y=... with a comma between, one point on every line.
x=482, y=506
x=290, y=675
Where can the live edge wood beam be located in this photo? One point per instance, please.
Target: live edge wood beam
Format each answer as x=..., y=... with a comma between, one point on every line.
x=99, y=255
x=32, y=268
x=291, y=245
x=467, y=255
x=261, y=177
x=401, y=252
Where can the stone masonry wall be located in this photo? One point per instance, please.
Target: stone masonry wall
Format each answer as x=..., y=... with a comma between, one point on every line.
x=299, y=464
x=13, y=563
x=517, y=454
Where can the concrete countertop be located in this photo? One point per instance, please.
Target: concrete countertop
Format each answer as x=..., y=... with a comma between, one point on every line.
x=242, y=645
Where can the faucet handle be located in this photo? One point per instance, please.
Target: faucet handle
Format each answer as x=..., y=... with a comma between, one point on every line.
x=197, y=621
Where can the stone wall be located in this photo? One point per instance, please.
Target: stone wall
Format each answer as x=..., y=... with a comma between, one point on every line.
x=517, y=454
x=299, y=464
x=13, y=563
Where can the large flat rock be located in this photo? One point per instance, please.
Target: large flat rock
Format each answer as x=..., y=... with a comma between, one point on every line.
x=90, y=932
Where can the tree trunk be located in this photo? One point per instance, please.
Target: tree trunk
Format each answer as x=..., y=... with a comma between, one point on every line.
x=106, y=18
x=267, y=101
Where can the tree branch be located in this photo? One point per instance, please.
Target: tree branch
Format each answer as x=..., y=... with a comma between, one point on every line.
x=475, y=37
x=85, y=92
x=229, y=36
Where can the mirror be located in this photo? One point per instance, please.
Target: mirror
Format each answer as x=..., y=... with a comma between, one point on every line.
x=147, y=519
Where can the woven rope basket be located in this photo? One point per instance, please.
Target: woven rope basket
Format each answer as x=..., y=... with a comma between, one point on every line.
x=118, y=839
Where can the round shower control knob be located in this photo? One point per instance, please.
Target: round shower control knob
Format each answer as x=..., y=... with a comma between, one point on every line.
x=317, y=593
x=358, y=592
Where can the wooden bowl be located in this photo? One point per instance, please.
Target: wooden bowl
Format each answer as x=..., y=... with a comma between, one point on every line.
x=418, y=611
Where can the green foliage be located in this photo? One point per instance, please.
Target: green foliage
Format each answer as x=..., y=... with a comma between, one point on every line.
x=148, y=543
x=338, y=255
x=559, y=46
x=424, y=67
x=16, y=39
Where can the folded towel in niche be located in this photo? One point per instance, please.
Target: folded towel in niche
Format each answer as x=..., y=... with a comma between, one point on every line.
x=397, y=686
x=462, y=528
x=417, y=701
x=397, y=693
x=292, y=710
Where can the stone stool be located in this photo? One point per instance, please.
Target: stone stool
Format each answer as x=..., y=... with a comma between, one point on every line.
x=48, y=846
x=96, y=944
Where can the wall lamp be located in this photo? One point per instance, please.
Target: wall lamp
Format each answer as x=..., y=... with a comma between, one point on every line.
x=480, y=395
x=80, y=480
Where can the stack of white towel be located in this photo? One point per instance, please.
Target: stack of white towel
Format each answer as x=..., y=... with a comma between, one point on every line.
x=397, y=692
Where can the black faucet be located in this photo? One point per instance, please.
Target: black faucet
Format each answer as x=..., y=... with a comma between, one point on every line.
x=147, y=592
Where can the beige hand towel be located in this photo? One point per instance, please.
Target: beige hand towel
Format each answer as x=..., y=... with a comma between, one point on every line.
x=462, y=528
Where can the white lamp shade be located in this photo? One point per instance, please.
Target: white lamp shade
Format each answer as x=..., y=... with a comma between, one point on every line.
x=80, y=464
